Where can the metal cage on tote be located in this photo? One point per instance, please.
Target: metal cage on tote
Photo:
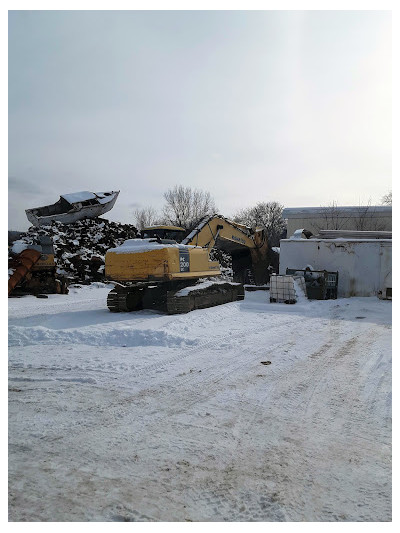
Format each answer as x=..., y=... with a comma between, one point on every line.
x=320, y=284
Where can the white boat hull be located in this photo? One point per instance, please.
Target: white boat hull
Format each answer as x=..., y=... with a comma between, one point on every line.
x=77, y=212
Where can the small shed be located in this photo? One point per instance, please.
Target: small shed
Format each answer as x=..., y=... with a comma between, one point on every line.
x=363, y=259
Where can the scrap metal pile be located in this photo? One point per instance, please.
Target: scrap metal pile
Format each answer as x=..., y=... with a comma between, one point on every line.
x=74, y=253
x=79, y=247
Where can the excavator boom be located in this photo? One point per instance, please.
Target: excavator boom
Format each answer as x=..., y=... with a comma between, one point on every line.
x=247, y=246
x=234, y=235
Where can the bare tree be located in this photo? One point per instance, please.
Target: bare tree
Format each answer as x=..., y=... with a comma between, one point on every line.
x=333, y=217
x=185, y=207
x=387, y=199
x=362, y=218
x=147, y=216
x=364, y=215
x=267, y=215
x=366, y=219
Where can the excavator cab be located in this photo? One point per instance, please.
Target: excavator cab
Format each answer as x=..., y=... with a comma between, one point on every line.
x=169, y=233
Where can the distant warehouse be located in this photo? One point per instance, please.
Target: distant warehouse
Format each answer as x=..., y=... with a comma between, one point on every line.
x=360, y=218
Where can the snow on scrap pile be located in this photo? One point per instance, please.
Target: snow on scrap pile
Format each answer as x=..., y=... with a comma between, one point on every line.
x=80, y=247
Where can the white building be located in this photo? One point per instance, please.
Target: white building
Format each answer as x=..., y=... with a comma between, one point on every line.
x=364, y=264
x=372, y=218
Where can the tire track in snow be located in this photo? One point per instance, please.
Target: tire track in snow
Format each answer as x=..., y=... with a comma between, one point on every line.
x=188, y=391
x=303, y=394
x=166, y=339
x=343, y=418
x=192, y=350
x=194, y=389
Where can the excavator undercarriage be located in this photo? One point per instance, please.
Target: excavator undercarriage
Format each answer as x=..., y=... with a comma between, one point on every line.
x=173, y=297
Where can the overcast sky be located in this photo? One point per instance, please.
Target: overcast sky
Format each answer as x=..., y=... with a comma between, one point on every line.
x=287, y=106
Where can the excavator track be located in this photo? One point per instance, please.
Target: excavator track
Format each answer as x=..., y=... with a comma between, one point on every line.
x=201, y=298
x=169, y=298
x=135, y=297
x=125, y=299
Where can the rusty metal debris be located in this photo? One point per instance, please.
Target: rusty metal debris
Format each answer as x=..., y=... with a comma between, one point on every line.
x=24, y=263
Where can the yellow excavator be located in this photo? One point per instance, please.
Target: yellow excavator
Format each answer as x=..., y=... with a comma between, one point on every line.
x=158, y=272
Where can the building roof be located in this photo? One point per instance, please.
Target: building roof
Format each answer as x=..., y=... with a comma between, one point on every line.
x=318, y=212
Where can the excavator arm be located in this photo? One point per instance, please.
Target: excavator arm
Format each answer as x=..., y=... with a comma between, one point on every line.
x=234, y=235
x=247, y=246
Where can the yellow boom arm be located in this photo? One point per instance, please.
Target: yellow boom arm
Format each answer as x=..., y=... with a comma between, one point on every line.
x=217, y=227
x=248, y=246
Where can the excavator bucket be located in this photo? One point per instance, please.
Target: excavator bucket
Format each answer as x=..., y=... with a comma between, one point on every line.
x=25, y=261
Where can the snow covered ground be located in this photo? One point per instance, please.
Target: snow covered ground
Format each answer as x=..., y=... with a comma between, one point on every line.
x=149, y=417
